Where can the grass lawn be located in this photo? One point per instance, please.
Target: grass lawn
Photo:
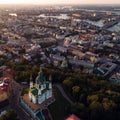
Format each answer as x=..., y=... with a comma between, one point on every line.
x=57, y=109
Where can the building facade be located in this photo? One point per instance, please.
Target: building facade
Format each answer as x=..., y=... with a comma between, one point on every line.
x=39, y=97
x=41, y=90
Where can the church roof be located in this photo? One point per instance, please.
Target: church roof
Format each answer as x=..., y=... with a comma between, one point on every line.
x=34, y=91
x=40, y=78
x=50, y=78
x=31, y=79
x=47, y=85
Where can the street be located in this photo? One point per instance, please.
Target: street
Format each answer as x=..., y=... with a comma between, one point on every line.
x=14, y=101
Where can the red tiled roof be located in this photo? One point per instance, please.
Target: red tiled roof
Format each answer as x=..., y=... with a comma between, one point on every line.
x=9, y=71
x=73, y=117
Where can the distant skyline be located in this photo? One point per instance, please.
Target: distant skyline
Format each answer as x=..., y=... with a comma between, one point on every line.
x=42, y=2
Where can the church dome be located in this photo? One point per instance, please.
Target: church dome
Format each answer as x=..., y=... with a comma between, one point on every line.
x=40, y=78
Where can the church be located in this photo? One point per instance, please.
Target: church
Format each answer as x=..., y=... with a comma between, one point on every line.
x=41, y=90
x=39, y=97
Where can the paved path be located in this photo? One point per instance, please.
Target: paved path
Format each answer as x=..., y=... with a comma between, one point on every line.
x=63, y=93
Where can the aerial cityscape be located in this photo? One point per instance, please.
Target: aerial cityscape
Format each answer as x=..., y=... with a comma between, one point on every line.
x=59, y=60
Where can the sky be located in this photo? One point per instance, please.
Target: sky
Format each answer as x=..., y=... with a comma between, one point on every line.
x=60, y=1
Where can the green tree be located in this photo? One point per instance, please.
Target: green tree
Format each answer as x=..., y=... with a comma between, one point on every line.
x=92, y=98
x=10, y=115
x=75, y=89
x=96, y=111
x=67, y=83
x=108, y=104
x=75, y=92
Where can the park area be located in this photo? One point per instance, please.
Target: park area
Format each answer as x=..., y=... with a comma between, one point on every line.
x=59, y=107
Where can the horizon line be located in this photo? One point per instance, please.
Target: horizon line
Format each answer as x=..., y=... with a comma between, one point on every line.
x=60, y=4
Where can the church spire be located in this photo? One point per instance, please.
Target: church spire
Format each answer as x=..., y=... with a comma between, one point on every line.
x=30, y=77
x=50, y=82
x=31, y=81
x=41, y=69
x=40, y=79
x=50, y=77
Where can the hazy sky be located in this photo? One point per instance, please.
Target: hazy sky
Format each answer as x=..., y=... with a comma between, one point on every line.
x=61, y=1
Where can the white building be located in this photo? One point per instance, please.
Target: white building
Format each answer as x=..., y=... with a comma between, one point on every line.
x=41, y=90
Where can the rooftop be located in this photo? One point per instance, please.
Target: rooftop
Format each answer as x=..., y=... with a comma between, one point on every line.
x=35, y=107
x=73, y=117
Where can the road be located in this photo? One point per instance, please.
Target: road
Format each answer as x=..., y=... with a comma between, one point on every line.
x=63, y=93
x=14, y=101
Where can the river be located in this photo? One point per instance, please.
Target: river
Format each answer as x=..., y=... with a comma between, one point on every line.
x=61, y=16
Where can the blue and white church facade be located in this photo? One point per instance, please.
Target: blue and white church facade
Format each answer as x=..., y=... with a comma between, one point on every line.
x=41, y=90
x=39, y=96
